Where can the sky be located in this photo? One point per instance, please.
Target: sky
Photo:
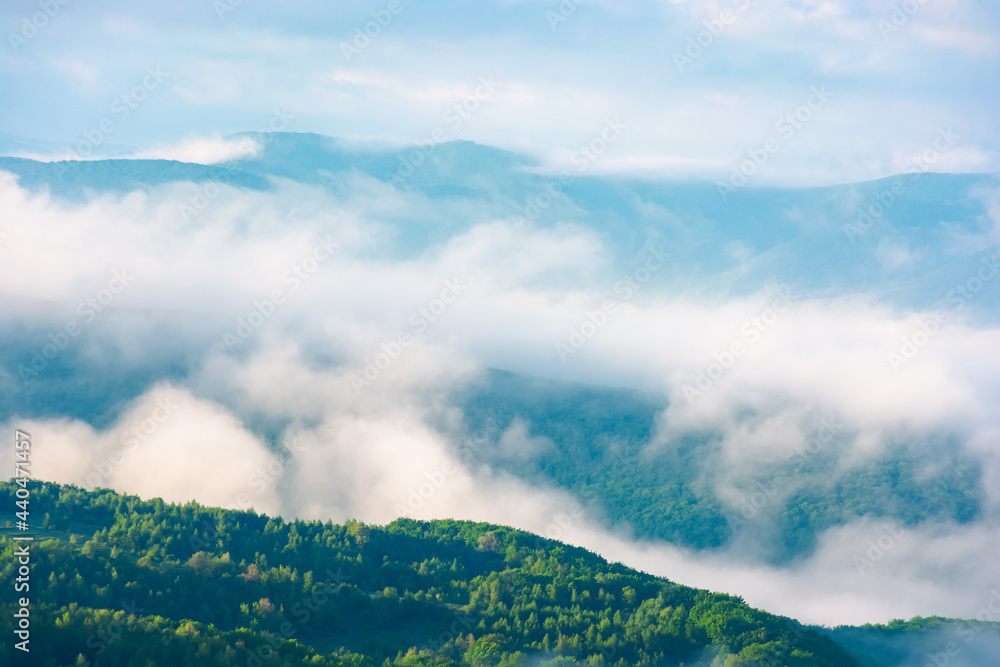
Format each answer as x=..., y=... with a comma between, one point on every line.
x=699, y=84
x=371, y=415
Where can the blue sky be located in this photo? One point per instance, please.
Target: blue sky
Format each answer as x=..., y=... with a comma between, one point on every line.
x=896, y=73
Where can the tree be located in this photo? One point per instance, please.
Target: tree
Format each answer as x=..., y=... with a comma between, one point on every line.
x=483, y=654
x=489, y=542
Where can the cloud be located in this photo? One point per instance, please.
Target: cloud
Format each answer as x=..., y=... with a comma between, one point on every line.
x=932, y=570
x=354, y=363
x=556, y=87
x=203, y=151
x=168, y=444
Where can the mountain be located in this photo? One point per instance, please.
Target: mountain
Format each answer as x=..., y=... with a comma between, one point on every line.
x=598, y=446
x=931, y=231
x=76, y=180
x=897, y=239
x=922, y=641
x=119, y=580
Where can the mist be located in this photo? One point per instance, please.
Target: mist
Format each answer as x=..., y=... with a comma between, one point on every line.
x=300, y=356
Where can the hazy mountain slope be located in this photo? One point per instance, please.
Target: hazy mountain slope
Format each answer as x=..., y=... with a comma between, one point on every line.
x=595, y=441
x=920, y=641
x=926, y=228
x=77, y=179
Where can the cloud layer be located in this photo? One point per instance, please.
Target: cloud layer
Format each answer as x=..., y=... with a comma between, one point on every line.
x=288, y=307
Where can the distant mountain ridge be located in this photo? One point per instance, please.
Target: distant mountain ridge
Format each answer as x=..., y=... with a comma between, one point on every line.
x=897, y=239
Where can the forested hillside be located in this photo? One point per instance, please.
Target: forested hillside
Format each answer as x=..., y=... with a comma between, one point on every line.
x=118, y=580
x=599, y=445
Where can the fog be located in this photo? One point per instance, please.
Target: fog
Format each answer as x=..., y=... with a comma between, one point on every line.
x=295, y=307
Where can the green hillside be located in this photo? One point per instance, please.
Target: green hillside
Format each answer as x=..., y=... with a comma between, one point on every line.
x=601, y=449
x=116, y=580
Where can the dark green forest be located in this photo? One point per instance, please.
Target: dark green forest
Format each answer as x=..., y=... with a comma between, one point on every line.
x=117, y=580
x=600, y=449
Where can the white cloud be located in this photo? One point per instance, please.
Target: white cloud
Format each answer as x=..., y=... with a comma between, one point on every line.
x=363, y=452
x=208, y=150
x=933, y=570
x=168, y=444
